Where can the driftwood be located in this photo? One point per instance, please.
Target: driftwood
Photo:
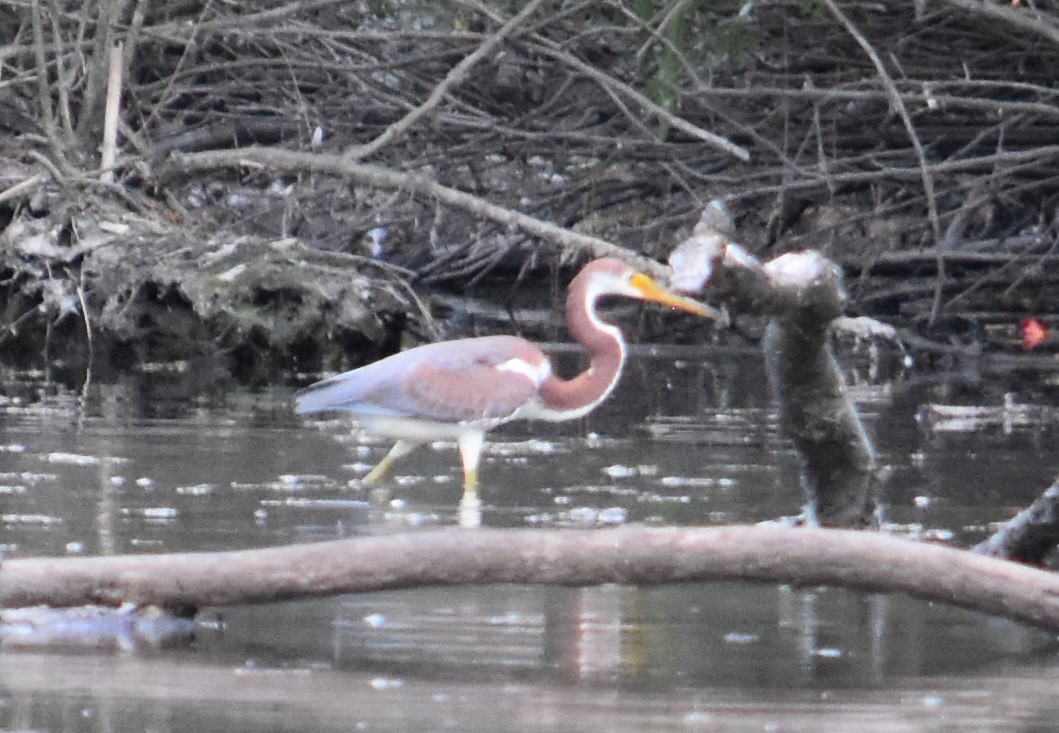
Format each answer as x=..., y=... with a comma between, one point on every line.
x=865, y=561
x=801, y=295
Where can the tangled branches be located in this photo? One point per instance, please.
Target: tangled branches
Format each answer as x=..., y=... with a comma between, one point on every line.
x=899, y=141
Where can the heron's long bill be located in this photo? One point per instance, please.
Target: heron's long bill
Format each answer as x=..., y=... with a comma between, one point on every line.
x=652, y=291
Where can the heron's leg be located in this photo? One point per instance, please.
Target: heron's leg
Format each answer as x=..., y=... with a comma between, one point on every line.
x=400, y=448
x=470, y=444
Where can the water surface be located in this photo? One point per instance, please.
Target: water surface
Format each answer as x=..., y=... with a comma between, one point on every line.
x=160, y=463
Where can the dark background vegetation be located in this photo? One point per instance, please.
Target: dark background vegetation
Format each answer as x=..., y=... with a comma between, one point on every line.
x=914, y=143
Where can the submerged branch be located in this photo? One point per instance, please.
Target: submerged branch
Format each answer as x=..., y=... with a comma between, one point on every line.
x=631, y=555
x=1031, y=535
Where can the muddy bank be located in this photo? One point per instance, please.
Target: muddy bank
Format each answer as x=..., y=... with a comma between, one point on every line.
x=89, y=283
x=107, y=288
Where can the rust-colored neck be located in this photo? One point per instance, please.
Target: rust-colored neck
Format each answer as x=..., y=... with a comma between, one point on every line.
x=570, y=398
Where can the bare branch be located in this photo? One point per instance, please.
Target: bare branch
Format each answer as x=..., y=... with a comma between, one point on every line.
x=634, y=555
x=454, y=77
x=22, y=188
x=132, y=37
x=1020, y=17
x=112, y=111
x=609, y=82
x=287, y=160
x=98, y=67
x=60, y=75
x=47, y=110
x=555, y=51
x=906, y=119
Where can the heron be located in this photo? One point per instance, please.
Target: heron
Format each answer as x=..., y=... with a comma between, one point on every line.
x=458, y=390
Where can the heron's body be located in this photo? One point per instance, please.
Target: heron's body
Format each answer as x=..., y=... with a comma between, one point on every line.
x=431, y=383
x=458, y=390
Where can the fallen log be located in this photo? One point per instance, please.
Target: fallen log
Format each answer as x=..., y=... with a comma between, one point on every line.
x=864, y=561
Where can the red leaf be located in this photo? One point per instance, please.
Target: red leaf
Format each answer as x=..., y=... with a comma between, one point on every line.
x=1033, y=333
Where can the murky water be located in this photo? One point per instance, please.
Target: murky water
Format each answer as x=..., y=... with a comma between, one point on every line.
x=156, y=463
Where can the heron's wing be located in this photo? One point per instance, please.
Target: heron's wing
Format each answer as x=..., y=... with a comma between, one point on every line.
x=487, y=379
x=453, y=381
x=348, y=391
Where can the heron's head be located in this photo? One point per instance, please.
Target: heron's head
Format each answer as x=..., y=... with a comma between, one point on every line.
x=611, y=276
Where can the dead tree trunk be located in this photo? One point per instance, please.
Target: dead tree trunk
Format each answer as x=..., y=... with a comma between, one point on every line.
x=800, y=294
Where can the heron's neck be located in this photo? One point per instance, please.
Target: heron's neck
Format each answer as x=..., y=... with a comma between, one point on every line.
x=571, y=398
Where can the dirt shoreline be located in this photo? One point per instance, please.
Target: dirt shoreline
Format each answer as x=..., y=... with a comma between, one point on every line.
x=91, y=283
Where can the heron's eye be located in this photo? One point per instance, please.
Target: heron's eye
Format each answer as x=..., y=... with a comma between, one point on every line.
x=637, y=280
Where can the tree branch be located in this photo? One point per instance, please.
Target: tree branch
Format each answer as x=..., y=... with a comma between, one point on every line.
x=1031, y=535
x=47, y=111
x=906, y=119
x=111, y=113
x=610, y=83
x=634, y=555
x=288, y=160
x=456, y=75
x=556, y=51
x=1022, y=18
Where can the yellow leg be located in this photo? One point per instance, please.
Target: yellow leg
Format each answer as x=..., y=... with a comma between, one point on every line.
x=400, y=448
x=470, y=482
x=470, y=444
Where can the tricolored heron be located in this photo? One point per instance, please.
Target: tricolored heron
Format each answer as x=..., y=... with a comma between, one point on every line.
x=457, y=390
